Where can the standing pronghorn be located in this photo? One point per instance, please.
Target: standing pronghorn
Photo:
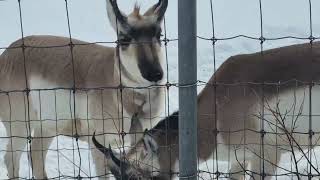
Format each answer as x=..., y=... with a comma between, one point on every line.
x=67, y=68
x=262, y=110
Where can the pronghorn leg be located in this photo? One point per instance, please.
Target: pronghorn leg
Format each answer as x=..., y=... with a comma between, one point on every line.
x=14, y=150
x=13, y=115
x=39, y=147
x=17, y=133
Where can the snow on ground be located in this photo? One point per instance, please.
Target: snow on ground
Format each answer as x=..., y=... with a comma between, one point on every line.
x=89, y=22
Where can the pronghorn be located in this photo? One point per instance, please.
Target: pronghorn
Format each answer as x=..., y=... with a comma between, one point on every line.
x=92, y=73
x=262, y=107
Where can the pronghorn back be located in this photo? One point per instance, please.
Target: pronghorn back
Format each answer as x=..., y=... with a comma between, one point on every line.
x=90, y=61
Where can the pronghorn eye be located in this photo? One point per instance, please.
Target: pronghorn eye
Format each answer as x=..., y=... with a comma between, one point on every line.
x=125, y=40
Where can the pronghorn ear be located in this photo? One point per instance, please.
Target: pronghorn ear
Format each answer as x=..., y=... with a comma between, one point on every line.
x=150, y=144
x=158, y=10
x=118, y=20
x=151, y=10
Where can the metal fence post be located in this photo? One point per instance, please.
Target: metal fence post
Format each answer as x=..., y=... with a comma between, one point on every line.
x=187, y=29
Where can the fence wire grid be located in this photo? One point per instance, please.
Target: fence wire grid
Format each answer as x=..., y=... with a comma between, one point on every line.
x=300, y=154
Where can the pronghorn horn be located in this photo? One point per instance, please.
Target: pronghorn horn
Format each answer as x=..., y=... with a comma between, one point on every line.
x=106, y=151
x=159, y=9
x=151, y=10
x=121, y=18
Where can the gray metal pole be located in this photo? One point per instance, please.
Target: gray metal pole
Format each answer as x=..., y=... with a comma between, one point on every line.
x=187, y=31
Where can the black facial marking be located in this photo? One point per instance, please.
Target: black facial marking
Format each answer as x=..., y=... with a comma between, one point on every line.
x=146, y=32
x=140, y=35
x=149, y=62
x=124, y=40
x=151, y=70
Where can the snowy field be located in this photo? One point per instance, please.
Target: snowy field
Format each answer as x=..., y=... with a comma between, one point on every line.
x=89, y=23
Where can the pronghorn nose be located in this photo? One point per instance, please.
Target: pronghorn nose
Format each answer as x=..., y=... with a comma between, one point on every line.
x=155, y=76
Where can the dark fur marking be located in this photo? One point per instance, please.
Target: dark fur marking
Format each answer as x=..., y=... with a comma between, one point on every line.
x=147, y=32
x=149, y=65
x=172, y=122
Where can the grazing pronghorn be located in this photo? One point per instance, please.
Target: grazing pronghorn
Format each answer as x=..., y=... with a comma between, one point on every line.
x=274, y=87
x=90, y=70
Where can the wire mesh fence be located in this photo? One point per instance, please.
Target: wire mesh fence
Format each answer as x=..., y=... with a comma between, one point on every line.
x=249, y=113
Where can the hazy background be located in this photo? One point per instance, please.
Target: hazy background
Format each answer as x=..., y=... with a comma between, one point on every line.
x=89, y=23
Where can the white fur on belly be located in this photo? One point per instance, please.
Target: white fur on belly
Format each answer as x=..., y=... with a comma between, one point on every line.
x=295, y=104
x=293, y=107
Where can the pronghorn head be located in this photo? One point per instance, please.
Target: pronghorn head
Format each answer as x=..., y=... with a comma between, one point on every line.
x=143, y=164
x=139, y=40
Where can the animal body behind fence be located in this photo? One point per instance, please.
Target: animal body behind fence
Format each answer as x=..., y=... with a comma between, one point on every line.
x=39, y=75
x=254, y=108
